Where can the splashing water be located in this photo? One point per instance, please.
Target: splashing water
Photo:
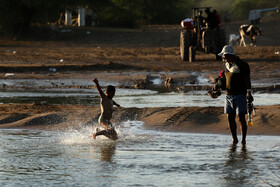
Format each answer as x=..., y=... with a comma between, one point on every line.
x=139, y=158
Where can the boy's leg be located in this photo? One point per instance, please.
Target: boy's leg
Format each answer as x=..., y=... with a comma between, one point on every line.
x=109, y=131
x=93, y=135
x=112, y=134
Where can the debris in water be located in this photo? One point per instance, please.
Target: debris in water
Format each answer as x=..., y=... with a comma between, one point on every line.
x=9, y=74
x=52, y=69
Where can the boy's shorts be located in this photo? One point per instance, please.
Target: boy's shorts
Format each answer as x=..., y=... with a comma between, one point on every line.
x=105, y=123
x=236, y=104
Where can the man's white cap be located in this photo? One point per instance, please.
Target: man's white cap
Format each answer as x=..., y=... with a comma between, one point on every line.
x=228, y=49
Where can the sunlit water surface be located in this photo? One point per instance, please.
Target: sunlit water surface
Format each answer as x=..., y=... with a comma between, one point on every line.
x=158, y=97
x=127, y=98
x=139, y=158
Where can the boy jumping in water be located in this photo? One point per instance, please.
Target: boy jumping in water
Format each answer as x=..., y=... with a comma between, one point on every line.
x=106, y=104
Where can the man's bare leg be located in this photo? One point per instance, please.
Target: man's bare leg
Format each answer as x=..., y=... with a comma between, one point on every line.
x=243, y=127
x=232, y=126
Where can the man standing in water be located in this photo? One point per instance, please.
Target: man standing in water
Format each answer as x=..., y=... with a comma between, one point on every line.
x=238, y=91
x=106, y=112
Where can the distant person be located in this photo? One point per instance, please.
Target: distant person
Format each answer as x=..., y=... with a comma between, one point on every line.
x=238, y=91
x=106, y=104
x=200, y=25
x=218, y=18
x=200, y=20
x=211, y=19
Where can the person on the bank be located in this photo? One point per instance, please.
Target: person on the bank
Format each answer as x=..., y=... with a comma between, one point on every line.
x=238, y=91
x=107, y=108
x=212, y=20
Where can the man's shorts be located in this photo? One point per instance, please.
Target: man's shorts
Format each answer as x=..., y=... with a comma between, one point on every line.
x=236, y=104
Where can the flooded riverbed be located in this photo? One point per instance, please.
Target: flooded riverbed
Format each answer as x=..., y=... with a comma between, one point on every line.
x=71, y=91
x=139, y=158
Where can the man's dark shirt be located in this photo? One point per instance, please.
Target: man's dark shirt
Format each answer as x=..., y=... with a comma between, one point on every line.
x=235, y=77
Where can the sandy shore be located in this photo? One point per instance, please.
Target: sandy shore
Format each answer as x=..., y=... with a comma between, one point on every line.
x=182, y=119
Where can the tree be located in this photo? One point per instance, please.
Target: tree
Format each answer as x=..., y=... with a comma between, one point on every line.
x=17, y=15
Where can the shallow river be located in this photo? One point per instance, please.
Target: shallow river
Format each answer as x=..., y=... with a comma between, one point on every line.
x=160, y=96
x=128, y=98
x=139, y=158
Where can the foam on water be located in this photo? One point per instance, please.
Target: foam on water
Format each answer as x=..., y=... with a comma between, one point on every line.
x=74, y=138
x=127, y=131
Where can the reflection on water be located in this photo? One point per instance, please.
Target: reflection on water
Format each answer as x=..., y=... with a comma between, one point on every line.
x=237, y=166
x=107, y=151
x=139, y=158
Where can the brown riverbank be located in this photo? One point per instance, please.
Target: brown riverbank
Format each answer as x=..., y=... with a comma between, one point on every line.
x=188, y=119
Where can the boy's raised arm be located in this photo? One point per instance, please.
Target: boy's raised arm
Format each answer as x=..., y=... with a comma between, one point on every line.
x=101, y=93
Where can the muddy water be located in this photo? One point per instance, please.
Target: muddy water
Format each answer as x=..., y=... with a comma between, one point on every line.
x=42, y=91
x=139, y=158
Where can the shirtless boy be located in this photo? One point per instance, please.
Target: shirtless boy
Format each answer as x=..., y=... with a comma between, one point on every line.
x=106, y=104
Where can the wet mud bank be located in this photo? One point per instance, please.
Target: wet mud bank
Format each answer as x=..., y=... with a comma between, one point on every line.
x=175, y=119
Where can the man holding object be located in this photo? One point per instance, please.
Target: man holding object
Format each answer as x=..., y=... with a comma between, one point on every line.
x=238, y=91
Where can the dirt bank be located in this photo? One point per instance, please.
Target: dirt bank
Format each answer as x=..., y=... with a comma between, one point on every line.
x=190, y=119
